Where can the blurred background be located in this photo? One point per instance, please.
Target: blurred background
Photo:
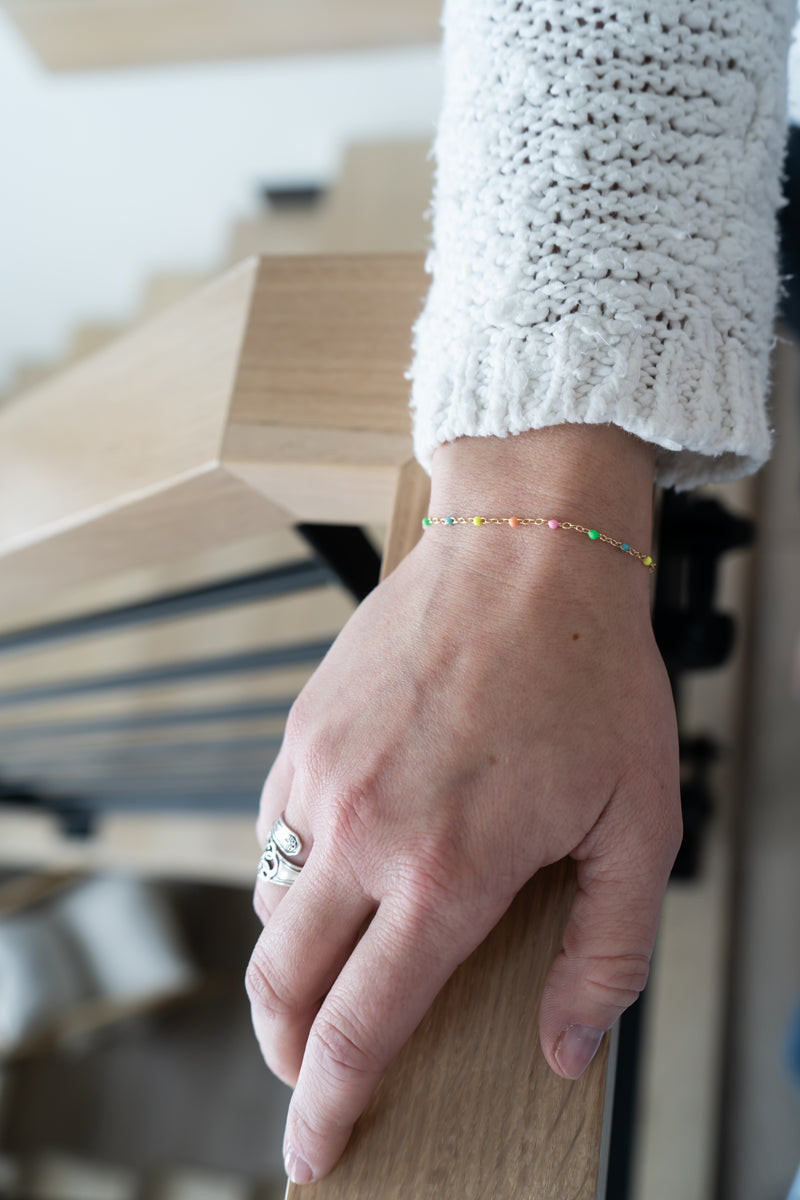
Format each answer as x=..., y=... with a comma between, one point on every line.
x=147, y=149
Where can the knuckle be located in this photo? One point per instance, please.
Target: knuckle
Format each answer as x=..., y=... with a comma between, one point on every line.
x=305, y=1129
x=432, y=873
x=618, y=980
x=309, y=1129
x=265, y=989
x=296, y=718
x=338, y=1050
x=423, y=889
x=351, y=815
x=299, y=723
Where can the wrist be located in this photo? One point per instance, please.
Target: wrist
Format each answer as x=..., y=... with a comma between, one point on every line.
x=593, y=475
x=597, y=476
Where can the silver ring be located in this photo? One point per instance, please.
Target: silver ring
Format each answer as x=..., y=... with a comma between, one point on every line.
x=275, y=867
x=282, y=844
x=285, y=838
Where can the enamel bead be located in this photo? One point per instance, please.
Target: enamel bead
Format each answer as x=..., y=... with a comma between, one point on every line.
x=593, y=534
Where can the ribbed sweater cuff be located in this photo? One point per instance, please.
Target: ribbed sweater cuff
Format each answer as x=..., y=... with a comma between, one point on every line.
x=494, y=383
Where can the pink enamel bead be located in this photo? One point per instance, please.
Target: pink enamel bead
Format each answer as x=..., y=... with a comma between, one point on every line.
x=553, y=524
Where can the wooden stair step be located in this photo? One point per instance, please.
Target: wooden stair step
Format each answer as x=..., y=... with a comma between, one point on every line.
x=376, y=205
x=90, y=338
x=71, y=35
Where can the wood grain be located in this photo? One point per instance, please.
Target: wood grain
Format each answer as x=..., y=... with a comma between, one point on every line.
x=274, y=394
x=470, y=1109
x=410, y=505
x=324, y=341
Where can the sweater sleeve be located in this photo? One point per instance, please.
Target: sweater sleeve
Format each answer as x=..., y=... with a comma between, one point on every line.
x=605, y=234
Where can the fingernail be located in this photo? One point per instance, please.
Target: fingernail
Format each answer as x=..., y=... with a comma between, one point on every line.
x=297, y=1168
x=576, y=1048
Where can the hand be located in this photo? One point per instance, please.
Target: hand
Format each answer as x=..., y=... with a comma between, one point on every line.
x=496, y=704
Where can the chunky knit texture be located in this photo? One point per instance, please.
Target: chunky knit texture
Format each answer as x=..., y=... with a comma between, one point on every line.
x=605, y=241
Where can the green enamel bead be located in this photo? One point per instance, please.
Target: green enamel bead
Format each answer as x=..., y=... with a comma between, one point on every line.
x=426, y=522
x=594, y=535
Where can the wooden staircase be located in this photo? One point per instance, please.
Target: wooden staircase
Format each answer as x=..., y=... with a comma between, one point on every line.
x=377, y=205
x=71, y=35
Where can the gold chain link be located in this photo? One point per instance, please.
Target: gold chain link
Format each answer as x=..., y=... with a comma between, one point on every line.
x=645, y=559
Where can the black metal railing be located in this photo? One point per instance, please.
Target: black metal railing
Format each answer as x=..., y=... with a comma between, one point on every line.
x=75, y=769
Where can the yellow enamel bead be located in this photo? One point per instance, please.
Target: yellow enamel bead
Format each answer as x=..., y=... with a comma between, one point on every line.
x=647, y=560
x=477, y=520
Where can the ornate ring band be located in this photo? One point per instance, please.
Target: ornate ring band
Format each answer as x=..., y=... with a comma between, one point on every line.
x=282, y=845
x=274, y=866
x=285, y=838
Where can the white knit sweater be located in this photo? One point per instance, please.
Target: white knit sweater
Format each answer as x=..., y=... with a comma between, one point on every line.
x=608, y=176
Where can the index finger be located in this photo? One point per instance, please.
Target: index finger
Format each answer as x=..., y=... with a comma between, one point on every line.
x=380, y=997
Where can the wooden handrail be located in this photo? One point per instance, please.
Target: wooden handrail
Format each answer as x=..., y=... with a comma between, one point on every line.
x=273, y=395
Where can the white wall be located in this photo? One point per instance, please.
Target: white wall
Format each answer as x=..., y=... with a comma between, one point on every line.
x=111, y=177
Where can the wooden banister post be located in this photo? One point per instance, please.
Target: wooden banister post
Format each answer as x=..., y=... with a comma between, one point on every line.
x=469, y=1109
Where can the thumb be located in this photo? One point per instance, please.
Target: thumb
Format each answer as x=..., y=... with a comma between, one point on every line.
x=608, y=941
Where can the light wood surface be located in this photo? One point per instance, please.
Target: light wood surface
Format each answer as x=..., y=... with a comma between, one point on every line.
x=314, y=614
x=183, y=570
x=273, y=395
x=319, y=419
x=410, y=505
x=217, y=848
x=470, y=1108
x=81, y=34
x=377, y=204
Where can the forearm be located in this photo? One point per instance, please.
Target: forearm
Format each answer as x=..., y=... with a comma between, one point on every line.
x=581, y=473
x=604, y=227
x=593, y=475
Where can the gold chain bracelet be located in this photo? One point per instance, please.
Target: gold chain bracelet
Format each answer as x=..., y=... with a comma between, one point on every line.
x=551, y=523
